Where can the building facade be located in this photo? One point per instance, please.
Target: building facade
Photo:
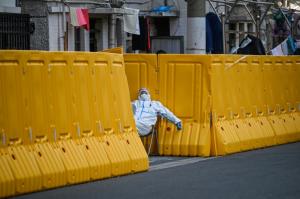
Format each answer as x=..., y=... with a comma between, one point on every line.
x=162, y=30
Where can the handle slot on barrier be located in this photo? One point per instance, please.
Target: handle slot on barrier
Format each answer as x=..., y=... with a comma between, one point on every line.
x=270, y=112
x=15, y=141
x=108, y=131
x=127, y=129
x=259, y=113
x=64, y=136
x=87, y=133
x=236, y=115
x=41, y=138
x=249, y=114
x=221, y=118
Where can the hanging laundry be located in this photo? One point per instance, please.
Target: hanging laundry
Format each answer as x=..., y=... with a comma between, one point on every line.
x=291, y=45
x=277, y=51
x=80, y=17
x=251, y=45
x=287, y=47
x=131, y=21
x=214, y=34
x=284, y=47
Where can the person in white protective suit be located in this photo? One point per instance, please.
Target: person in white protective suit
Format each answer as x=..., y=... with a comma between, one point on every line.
x=146, y=111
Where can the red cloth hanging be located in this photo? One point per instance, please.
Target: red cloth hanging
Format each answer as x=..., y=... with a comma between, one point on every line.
x=148, y=35
x=80, y=17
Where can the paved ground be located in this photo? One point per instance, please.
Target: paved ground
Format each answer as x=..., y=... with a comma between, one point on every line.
x=266, y=173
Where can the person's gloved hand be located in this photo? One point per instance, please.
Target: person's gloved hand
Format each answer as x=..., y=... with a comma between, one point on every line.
x=179, y=126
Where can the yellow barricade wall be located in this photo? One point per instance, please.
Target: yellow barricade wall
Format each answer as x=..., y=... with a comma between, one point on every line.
x=183, y=88
x=65, y=118
x=177, y=81
x=255, y=102
x=142, y=71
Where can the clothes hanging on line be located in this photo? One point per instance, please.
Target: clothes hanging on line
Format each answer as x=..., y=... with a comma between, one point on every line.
x=287, y=47
x=214, y=34
x=131, y=21
x=80, y=17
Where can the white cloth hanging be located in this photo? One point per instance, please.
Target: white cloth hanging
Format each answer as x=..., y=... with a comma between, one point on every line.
x=131, y=21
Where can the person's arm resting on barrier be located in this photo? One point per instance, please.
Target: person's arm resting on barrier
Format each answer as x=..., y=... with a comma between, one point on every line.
x=166, y=113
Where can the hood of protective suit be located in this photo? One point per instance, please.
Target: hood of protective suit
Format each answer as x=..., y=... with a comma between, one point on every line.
x=144, y=95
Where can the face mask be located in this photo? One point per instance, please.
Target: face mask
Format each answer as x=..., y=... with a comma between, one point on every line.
x=145, y=97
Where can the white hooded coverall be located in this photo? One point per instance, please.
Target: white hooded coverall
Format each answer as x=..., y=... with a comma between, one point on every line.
x=146, y=112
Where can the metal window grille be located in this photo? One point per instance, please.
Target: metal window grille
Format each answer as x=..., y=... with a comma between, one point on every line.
x=14, y=31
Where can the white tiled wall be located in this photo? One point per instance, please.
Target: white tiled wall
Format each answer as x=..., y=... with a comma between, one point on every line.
x=56, y=40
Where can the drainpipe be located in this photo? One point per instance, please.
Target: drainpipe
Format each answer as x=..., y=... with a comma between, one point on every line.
x=196, y=28
x=112, y=31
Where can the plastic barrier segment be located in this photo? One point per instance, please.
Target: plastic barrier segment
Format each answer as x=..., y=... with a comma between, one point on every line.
x=7, y=181
x=120, y=161
x=257, y=134
x=296, y=117
x=136, y=151
x=118, y=50
x=192, y=140
x=266, y=129
x=141, y=71
x=24, y=168
x=204, y=141
x=50, y=165
x=245, y=134
x=100, y=166
x=226, y=140
x=72, y=156
x=279, y=129
x=290, y=126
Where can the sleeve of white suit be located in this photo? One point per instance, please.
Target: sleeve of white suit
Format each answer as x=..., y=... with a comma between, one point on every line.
x=166, y=113
x=134, y=106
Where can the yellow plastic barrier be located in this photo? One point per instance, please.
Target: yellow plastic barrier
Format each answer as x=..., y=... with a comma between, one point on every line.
x=142, y=71
x=258, y=97
x=96, y=156
x=126, y=123
x=7, y=182
x=67, y=116
x=25, y=169
x=50, y=164
x=118, y=50
x=120, y=162
x=184, y=90
x=185, y=74
x=249, y=107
